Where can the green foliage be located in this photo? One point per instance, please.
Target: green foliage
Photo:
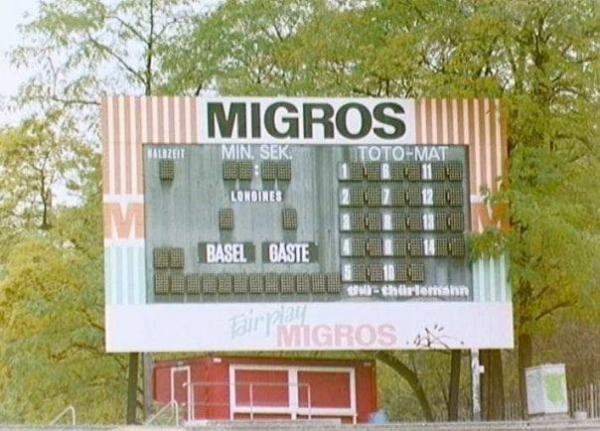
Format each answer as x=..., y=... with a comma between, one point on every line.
x=79, y=49
x=433, y=369
x=234, y=49
x=82, y=49
x=51, y=295
x=51, y=326
x=35, y=158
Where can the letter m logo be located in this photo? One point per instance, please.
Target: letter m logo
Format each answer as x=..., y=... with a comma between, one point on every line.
x=123, y=221
x=226, y=122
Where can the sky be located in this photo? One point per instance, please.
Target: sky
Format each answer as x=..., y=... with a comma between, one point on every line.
x=11, y=15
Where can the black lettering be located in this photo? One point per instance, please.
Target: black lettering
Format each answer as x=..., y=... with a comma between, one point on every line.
x=341, y=120
x=216, y=112
x=255, y=112
x=309, y=119
x=397, y=123
x=292, y=122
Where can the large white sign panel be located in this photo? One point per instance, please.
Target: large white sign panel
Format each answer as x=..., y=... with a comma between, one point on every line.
x=308, y=326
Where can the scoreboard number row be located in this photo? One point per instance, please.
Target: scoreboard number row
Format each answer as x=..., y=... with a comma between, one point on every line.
x=399, y=171
x=402, y=247
x=437, y=195
x=390, y=222
x=381, y=273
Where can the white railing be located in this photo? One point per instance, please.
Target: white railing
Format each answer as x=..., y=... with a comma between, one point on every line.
x=199, y=410
x=512, y=410
x=297, y=404
x=69, y=409
x=581, y=399
x=172, y=407
x=585, y=399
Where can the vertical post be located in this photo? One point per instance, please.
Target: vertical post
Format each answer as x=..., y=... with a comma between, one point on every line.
x=571, y=399
x=595, y=390
x=454, y=388
x=591, y=392
x=191, y=409
x=293, y=388
x=309, y=403
x=491, y=385
x=476, y=385
x=251, y=402
x=147, y=372
x=132, y=385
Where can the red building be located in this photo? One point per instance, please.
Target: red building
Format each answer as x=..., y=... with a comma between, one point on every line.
x=229, y=388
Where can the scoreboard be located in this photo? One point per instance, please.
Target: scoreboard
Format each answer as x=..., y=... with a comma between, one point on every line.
x=241, y=224
x=270, y=222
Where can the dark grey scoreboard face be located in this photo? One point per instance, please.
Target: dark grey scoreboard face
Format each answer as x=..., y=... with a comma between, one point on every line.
x=239, y=223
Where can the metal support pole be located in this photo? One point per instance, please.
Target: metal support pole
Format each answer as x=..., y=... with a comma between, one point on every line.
x=454, y=387
x=309, y=404
x=191, y=415
x=132, y=386
x=147, y=371
x=476, y=370
x=251, y=402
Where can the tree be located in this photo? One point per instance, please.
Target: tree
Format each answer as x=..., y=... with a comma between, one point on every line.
x=235, y=48
x=35, y=158
x=545, y=70
x=411, y=378
x=82, y=49
x=86, y=48
x=51, y=324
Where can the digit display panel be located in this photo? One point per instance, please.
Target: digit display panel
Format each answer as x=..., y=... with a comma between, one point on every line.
x=264, y=211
